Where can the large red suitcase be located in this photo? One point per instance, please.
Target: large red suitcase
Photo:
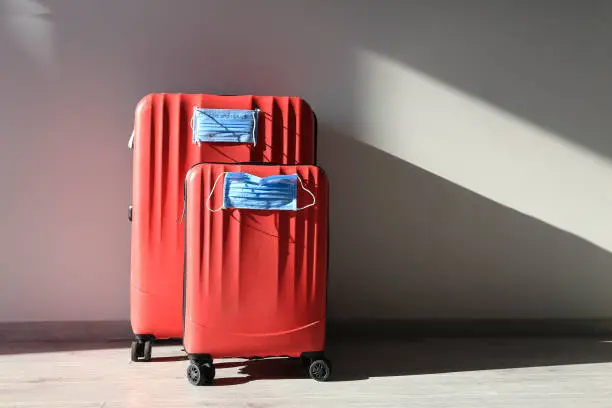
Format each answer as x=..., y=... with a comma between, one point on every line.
x=163, y=152
x=255, y=280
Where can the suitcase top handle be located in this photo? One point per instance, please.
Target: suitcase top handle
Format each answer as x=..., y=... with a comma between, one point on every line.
x=246, y=191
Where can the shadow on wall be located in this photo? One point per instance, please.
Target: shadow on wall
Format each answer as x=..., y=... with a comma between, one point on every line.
x=407, y=243
x=547, y=61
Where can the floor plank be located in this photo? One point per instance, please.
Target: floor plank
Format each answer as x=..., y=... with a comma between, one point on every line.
x=422, y=373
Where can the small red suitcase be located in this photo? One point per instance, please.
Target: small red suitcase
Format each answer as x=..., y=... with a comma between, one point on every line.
x=163, y=152
x=255, y=280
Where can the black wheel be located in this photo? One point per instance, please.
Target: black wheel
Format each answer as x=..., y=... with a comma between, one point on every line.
x=137, y=350
x=201, y=373
x=209, y=372
x=194, y=374
x=146, y=355
x=319, y=370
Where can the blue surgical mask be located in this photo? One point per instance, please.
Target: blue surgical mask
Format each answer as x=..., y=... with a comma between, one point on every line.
x=224, y=125
x=246, y=191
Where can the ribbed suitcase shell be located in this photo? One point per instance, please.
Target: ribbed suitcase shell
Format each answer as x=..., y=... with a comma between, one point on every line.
x=163, y=152
x=255, y=280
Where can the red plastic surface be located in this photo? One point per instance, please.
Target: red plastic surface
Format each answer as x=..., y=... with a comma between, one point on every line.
x=255, y=280
x=163, y=153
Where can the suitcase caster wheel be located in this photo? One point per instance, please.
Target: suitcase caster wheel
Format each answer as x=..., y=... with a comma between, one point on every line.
x=146, y=356
x=137, y=350
x=141, y=351
x=319, y=370
x=201, y=373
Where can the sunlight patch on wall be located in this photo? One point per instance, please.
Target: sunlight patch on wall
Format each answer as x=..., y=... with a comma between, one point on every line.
x=483, y=148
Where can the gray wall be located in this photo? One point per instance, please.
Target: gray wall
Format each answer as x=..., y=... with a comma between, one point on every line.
x=468, y=145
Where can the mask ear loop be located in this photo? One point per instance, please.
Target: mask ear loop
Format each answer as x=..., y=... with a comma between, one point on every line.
x=255, y=115
x=314, y=200
x=212, y=190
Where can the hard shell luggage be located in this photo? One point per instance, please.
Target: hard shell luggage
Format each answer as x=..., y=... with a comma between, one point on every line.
x=172, y=132
x=255, y=279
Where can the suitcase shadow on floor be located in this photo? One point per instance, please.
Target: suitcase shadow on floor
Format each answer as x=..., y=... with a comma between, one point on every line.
x=261, y=369
x=169, y=359
x=369, y=359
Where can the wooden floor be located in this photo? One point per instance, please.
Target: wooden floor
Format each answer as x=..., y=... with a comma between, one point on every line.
x=425, y=373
